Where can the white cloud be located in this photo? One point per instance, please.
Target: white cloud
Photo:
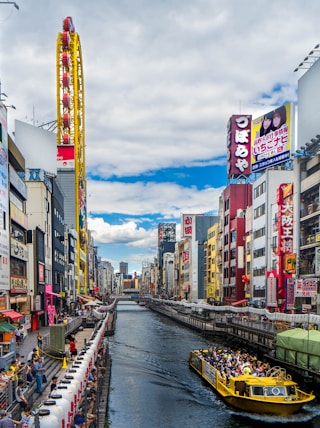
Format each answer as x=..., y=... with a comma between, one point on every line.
x=139, y=199
x=161, y=80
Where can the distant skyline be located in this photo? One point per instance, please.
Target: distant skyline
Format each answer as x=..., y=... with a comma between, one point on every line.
x=161, y=80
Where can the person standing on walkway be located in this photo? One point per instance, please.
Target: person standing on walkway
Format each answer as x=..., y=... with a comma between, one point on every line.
x=54, y=384
x=39, y=369
x=6, y=420
x=73, y=349
x=39, y=340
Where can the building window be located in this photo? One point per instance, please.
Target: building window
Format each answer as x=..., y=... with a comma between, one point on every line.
x=259, y=190
x=259, y=211
x=260, y=232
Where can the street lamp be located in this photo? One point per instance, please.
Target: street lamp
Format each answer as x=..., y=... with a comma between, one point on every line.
x=10, y=2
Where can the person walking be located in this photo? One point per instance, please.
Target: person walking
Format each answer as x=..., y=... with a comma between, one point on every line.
x=39, y=340
x=39, y=369
x=73, y=348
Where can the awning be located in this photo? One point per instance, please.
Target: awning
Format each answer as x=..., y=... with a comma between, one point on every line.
x=85, y=297
x=6, y=327
x=11, y=314
x=240, y=302
x=51, y=293
x=40, y=312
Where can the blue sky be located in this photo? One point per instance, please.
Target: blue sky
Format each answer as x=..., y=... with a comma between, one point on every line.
x=162, y=78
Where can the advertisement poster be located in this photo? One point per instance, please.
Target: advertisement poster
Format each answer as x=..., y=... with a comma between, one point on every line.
x=271, y=138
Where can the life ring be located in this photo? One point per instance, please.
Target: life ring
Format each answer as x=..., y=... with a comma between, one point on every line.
x=289, y=377
x=275, y=390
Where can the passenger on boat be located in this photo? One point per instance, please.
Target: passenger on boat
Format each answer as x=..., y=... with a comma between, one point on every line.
x=232, y=364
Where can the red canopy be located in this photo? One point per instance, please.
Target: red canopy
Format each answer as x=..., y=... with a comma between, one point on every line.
x=12, y=315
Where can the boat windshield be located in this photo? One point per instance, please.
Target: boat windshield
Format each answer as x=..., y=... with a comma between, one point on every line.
x=274, y=391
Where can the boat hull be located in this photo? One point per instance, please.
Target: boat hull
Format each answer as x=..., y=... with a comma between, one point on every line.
x=252, y=406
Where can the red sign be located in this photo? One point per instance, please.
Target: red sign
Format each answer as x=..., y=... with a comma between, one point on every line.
x=65, y=156
x=185, y=257
x=41, y=277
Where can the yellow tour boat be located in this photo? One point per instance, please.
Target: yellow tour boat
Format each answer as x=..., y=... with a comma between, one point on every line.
x=274, y=393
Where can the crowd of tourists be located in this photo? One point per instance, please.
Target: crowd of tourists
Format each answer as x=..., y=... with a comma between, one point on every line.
x=15, y=380
x=231, y=363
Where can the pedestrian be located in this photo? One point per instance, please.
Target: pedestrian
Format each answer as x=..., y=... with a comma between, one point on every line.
x=32, y=354
x=18, y=335
x=28, y=371
x=54, y=383
x=78, y=421
x=39, y=340
x=21, y=399
x=13, y=371
x=39, y=369
x=26, y=418
x=6, y=420
x=72, y=348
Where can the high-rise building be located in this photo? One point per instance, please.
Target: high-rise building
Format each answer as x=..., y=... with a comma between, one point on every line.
x=123, y=268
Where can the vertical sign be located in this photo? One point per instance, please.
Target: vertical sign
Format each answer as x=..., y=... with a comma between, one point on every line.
x=272, y=288
x=285, y=234
x=317, y=261
x=4, y=202
x=187, y=225
x=239, y=146
x=290, y=293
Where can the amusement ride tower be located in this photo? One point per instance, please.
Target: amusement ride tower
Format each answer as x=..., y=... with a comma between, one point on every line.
x=71, y=144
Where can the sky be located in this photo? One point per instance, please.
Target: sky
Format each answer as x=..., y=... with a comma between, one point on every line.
x=161, y=79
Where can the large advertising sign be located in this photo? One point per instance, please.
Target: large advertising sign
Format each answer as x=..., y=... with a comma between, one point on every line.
x=285, y=234
x=167, y=232
x=271, y=138
x=306, y=287
x=290, y=293
x=272, y=288
x=239, y=146
x=187, y=224
x=65, y=156
x=4, y=201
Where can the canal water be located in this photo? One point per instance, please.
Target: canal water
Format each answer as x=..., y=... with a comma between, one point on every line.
x=153, y=387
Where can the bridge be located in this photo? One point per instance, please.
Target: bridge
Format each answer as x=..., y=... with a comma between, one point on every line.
x=130, y=295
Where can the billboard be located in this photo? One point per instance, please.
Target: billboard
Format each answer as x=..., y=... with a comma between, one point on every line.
x=65, y=156
x=306, y=287
x=187, y=223
x=166, y=232
x=271, y=138
x=239, y=146
x=4, y=202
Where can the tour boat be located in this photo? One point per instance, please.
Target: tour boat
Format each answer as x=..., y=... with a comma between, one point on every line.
x=275, y=393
